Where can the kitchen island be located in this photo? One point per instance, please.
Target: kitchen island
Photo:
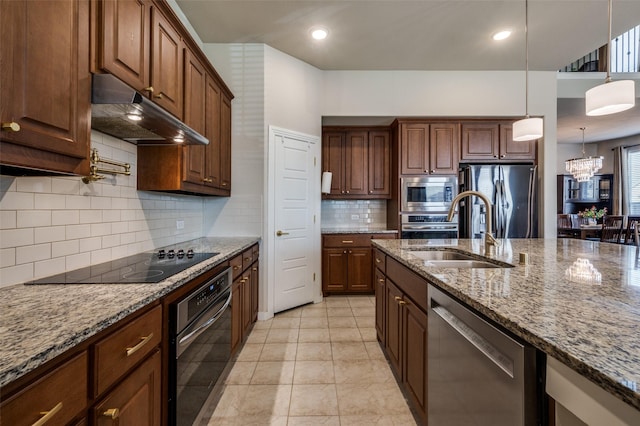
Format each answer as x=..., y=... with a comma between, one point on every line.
x=40, y=322
x=589, y=323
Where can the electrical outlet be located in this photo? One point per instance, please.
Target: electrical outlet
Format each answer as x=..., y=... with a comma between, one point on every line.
x=355, y=216
x=179, y=224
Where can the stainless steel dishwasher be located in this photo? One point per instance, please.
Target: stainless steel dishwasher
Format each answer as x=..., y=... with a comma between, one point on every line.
x=478, y=375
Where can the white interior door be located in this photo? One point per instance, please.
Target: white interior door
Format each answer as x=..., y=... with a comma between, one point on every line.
x=295, y=207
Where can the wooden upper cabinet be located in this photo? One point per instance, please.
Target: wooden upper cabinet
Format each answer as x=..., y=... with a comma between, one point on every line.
x=360, y=161
x=429, y=148
x=195, y=85
x=379, y=163
x=166, y=69
x=137, y=43
x=514, y=150
x=46, y=86
x=124, y=46
x=213, y=99
x=225, y=144
x=493, y=141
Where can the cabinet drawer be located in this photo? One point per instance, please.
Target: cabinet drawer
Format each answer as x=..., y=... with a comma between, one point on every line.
x=118, y=352
x=62, y=394
x=346, y=240
x=236, y=266
x=379, y=259
x=247, y=258
x=255, y=250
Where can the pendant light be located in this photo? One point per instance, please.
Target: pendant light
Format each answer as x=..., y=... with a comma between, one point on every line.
x=529, y=128
x=610, y=97
x=583, y=168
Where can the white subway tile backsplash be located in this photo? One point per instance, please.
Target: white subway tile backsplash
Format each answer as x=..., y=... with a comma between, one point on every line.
x=65, y=217
x=100, y=229
x=90, y=216
x=16, y=238
x=77, y=261
x=34, y=184
x=77, y=202
x=354, y=213
x=33, y=253
x=49, y=267
x=48, y=202
x=17, y=201
x=110, y=241
x=77, y=231
x=66, y=186
x=111, y=215
x=65, y=248
x=100, y=256
x=16, y=274
x=7, y=257
x=33, y=218
x=49, y=234
x=8, y=219
x=90, y=244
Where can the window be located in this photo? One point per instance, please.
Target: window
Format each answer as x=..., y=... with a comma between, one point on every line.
x=633, y=177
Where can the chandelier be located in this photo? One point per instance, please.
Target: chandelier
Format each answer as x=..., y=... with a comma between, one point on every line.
x=582, y=271
x=583, y=168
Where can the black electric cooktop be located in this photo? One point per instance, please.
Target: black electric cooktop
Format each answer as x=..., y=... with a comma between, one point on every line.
x=148, y=267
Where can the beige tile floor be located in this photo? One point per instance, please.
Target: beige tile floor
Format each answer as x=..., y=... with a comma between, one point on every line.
x=315, y=365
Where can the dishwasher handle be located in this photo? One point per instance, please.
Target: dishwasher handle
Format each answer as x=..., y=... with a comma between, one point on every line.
x=491, y=352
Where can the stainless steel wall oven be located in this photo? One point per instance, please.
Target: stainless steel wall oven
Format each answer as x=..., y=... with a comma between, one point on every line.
x=199, y=347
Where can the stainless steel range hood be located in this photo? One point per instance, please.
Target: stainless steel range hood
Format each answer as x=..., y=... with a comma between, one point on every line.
x=120, y=111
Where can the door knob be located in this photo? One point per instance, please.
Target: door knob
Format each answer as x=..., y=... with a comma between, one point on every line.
x=280, y=233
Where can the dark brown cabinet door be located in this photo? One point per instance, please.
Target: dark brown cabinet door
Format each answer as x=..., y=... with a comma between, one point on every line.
x=135, y=401
x=247, y=310
x=124, y=40
x=393, y=332
x=334, y=269
x=379, y=166
x=166, y=64
x=359, y=269
x=46, y=84
x=213, y=132
x=480, y=141
x=333, y=159
x=513, y=150
x=225, y=144
x=414, y=148
x=195, y=89
x=415, y=355
x=380, y=289
x=355, y=171
x=254, y=292
x=443, y=148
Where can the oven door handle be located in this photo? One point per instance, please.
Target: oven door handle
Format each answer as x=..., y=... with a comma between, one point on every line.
x=200, y=326
x=431, y=228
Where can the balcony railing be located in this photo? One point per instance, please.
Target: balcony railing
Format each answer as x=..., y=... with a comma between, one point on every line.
x=625, y=52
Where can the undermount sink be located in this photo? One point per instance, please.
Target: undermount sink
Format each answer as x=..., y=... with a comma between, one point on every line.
x=453, y=259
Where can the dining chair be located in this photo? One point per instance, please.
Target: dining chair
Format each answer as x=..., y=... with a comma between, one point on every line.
x=564, y=226
x=632, y=225
x=612, y=226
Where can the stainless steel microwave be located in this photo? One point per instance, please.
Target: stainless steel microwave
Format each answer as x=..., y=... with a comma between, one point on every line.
x=428, y=193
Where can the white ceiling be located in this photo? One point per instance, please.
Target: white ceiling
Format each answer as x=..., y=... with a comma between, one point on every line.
x=421, y=34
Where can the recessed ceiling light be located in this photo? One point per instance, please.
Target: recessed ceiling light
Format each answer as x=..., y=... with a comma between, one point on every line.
x=501, y=35
x=319, y=33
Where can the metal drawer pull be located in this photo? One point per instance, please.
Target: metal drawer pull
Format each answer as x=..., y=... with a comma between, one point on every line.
x=46, y=415
x=136, y=348
x=347, y=242
x=378, y=260
x=236, y=267
x=112, y=413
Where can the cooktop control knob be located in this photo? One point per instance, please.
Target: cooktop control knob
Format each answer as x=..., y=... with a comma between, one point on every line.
x=161, y=254
x=190, y=253
x=180, y=254
x=171, y=254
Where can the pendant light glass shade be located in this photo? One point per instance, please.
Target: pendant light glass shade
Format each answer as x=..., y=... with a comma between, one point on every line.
x=612, y=96
x=527, y=129
x=609, y=98
x=583, y=168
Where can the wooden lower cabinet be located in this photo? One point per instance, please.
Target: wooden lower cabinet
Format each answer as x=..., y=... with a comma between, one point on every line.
x=401, y=324
x=244, y=295
x=136, y=400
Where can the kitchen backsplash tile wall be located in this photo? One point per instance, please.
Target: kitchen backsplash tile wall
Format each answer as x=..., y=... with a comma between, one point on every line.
x=354, y=214
x=50, y=225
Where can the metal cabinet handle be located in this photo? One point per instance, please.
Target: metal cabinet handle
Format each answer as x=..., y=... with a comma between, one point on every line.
x=370, y=192
x=159, y=96
x=280, y=233
x=398, y=298
x=236, y=267
x=502, y=156
x=136, y=348
x=47, y=415
x=378, y=260
x=432, y=171
x=148, y=89
x=112, y=413
x=224, y=183
x=254, y=269
x=347, y=192
x=347, y=242
x=380, y=280
x=11, y=126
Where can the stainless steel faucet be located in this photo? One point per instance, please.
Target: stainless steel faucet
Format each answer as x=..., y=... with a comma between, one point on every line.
x=489, y=240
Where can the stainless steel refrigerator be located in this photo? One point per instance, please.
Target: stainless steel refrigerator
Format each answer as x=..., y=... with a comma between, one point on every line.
x=512, y=191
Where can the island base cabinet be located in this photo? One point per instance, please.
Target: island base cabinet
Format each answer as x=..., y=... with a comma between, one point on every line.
x=415, y=360
x=135, y=401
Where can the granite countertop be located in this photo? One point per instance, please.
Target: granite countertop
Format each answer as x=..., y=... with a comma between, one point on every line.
x=40, y=322
x=360, y=230
x=592, y=327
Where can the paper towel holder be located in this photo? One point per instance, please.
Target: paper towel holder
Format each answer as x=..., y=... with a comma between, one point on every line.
x=326, y=182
